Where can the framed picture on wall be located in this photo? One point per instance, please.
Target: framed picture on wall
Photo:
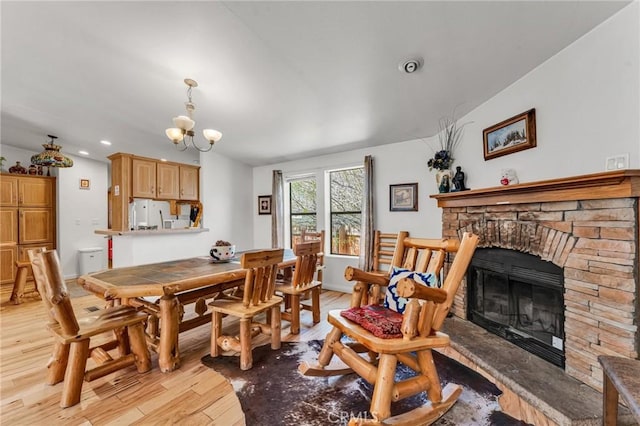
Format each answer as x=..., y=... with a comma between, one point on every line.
x=512, y=135
x=403, y=197
x=85, y=184
x=264, y=204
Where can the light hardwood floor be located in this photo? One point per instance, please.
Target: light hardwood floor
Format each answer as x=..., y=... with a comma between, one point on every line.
x=193, y=394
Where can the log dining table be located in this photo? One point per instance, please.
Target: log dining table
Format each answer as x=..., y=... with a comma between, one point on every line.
x=173, y=284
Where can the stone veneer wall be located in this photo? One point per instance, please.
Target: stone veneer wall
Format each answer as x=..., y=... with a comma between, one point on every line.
x=596, y=242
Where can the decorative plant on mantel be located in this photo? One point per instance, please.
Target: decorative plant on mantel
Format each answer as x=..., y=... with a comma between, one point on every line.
x=449, y=137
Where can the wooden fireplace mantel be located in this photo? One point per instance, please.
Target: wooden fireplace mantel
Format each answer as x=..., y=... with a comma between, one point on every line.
x=614, y=184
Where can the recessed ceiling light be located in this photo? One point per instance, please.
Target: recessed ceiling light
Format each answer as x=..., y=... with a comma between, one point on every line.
x=83, y=152
x=105, y=142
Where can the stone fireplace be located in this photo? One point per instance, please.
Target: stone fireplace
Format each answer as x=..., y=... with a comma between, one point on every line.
x=585, y=226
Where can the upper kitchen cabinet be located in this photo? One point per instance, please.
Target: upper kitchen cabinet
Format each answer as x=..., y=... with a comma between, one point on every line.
x=189, y=183
x=168, y=181
x=163, y=180
x=143, y=178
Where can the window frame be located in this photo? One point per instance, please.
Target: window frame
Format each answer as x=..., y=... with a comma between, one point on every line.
x=329, y=213
x=289, y=235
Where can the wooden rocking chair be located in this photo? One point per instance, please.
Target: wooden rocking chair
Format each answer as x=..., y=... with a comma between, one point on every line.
x=257, y=297
x=73, y=335
x=425, y=312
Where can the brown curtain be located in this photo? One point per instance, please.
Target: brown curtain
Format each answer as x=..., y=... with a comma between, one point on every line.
x=365, y=261
x=277, y=210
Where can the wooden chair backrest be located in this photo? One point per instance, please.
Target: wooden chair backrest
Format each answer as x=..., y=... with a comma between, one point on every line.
x=307, y=236
x=423, y=254
x=454, y=277
x=306, y=263
x=47, y=273
x=384, y=246
x=259, y=284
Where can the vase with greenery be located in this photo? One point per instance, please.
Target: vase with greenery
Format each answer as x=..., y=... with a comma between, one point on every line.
x=449, y=138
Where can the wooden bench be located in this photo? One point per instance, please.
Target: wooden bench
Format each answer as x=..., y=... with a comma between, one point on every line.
x=621, y=376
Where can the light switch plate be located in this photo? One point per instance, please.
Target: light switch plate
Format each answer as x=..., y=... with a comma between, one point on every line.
x=617, y=162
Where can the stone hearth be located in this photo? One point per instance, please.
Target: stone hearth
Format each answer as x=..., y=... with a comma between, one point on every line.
x=589, y=226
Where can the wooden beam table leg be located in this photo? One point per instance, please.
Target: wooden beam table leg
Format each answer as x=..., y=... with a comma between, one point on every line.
x=169, y=354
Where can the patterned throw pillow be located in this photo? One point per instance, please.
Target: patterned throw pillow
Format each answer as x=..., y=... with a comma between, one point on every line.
x=391, y=298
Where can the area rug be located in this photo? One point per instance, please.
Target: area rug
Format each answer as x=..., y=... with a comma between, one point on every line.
x=273, y=392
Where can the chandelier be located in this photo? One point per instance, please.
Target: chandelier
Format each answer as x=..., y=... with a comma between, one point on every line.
x=183, y=132
x=51, y=156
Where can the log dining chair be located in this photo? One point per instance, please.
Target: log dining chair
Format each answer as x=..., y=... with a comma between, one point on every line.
x=390, y=337
x=73, y=334
x=258, y=296
x=303, y=281
x=307, y=236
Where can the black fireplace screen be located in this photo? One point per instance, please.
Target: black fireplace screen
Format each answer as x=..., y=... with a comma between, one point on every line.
x=519, y=297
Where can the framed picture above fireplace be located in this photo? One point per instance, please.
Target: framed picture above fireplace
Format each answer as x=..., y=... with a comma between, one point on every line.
x=512, y=135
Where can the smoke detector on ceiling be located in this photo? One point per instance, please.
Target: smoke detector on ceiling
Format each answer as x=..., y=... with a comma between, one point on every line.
x=410, y=65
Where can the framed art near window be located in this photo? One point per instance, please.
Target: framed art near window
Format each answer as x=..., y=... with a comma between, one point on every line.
x=512, y=135
x=403, y=197
x=264, y=204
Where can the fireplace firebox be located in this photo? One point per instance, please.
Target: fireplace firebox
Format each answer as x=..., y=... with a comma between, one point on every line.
x=519, y=297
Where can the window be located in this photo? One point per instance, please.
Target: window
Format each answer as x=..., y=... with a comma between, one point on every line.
x=346, y=189
x=302, y=207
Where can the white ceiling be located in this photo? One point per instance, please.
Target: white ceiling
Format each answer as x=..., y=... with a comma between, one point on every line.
x=281, y=80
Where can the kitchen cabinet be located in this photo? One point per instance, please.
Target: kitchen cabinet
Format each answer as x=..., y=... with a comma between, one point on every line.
x=8, y=191
x=27, y=220
x=189, y=183
x=35, y=225
x=168, y=181
x=144, y=178
x=8, y=257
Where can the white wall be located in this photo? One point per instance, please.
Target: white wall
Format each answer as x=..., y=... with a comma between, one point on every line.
x=587, y=101
x=81, y=212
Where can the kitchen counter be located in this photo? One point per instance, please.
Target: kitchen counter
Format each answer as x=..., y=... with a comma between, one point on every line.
x=130, y=248
x=111, y=232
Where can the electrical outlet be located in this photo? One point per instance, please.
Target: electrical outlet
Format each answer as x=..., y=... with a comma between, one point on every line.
x=617, y=162
x=77, y=221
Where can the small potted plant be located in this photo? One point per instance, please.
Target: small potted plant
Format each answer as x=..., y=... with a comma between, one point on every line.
x=449, y=138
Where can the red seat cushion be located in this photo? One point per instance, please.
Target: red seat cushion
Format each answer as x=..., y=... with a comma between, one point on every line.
x=382, y=322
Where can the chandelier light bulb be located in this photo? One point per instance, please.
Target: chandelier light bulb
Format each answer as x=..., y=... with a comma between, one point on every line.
x=183, y=122
x=212, y=135
x=174, y=134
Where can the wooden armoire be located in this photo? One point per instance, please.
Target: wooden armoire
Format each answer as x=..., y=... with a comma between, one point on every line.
x=27, y=220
